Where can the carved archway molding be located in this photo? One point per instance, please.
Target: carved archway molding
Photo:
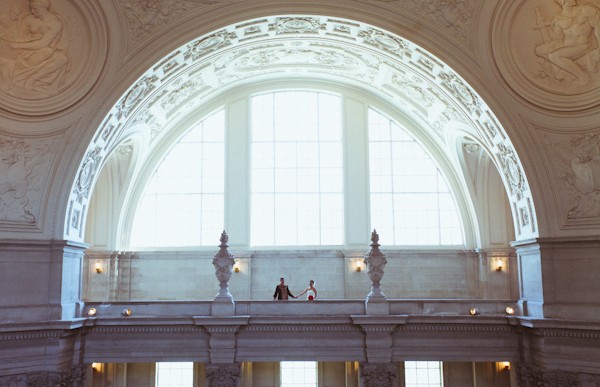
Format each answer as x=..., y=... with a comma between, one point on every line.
x=297, y=47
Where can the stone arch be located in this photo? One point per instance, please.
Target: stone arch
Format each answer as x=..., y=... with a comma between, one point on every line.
x=295, y=46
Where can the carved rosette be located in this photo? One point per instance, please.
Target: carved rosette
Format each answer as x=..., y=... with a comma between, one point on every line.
x=223, y=262
x=223, y=375
x=375, y=261
x=378, y=375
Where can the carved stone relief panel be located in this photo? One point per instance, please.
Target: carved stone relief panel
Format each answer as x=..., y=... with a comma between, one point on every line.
x=24, y=170
x=454, y=16
x=144, y=17
x=549, y=51
x=574, y=163
x=39, y=40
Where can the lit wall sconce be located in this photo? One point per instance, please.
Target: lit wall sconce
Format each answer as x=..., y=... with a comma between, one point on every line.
x=126, y=312
x=506, y=365
x=98, y=267
x=358, y=266
x=474, y=311
x=510, y=310
x=236, y=266
x=92, y=312
x=499, y=264
x=96, y=367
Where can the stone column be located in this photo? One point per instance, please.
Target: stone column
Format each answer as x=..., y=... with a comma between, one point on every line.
x=223, y=262
x=379, y=375
x=375, y=260
x=223, y=375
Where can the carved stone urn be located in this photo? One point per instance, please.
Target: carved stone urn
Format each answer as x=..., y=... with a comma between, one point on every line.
x=375, y=261
x=223, y=262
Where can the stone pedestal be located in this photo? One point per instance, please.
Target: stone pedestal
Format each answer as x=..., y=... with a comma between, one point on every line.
x=375, y=260
x=223, y=262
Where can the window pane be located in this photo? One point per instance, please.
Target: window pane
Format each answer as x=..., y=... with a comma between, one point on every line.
x=175, y=374
x=297, y=169
x=298, y=373
x=423, y=374
x=411, y=203
x=183, y=202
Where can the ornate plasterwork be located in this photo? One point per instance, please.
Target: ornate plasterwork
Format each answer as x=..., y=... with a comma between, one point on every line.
x=549, y=51
x=299, y=47
x=575, y=161
x=38, y=72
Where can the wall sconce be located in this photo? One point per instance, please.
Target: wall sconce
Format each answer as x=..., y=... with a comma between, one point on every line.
x=92, y=312
x=98, y=267
x=236, y=266
x=506, y=365
x=357, y=266
x=126, y=312
x=474, y=311
x=499, y=264
x=510, y=310
x=96, y=367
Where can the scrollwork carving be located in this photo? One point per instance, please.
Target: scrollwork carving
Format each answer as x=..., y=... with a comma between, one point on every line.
x=378, y=375
x=223, y=375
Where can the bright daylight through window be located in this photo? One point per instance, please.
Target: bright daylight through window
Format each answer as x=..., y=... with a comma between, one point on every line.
x=297, y=169
x=423, y=374
x=175, y=374
x=298, y=373
x=294, y=152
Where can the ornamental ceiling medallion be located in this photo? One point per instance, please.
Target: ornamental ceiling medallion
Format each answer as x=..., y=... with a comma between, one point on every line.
x=43, y=73
x=318, y=48
x=548, y=51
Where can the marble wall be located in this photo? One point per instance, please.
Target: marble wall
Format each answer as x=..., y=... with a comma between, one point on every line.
x=189, y=275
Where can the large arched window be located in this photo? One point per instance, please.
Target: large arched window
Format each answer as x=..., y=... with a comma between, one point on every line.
x=294, y=159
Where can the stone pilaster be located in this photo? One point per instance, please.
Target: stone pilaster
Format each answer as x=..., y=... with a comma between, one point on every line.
x=223, y=375
x=557, y=277
x=379, y=374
